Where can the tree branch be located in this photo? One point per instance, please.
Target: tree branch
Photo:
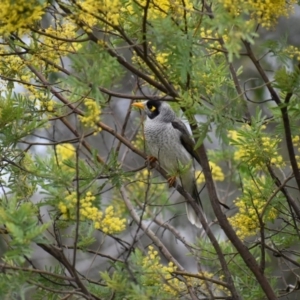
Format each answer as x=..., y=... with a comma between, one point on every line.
x=231, y=234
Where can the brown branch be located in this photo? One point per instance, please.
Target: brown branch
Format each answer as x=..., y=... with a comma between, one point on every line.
x=94, y=252
x=59, y=255
x=71, y=292
x=71, y=141
x=284, y=111
x=284, y=191
x=230, y=232
x=279, y=188
x=262, y=73
x=70, y=105
x=77, y=215
x=113, y=53
x=144, y=28
x=289, y=143
x=278, y=253
x=199, y=276
x=172, y=229
x=231, y=69
x=147, y=230
x=190, y=200
x=152, y=235
x=124, y=126
x=58, y=38
x=8, y=267
x=107, y=91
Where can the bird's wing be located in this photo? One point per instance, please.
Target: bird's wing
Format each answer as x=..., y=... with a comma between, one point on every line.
x=186, y=139
x=189, y=145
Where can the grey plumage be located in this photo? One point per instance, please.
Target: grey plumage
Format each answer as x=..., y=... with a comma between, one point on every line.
x=170, y=142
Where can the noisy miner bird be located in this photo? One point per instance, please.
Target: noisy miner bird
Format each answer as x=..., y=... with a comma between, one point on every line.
x=170, y=143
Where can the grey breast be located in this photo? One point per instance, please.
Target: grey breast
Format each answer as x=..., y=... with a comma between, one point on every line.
x=164, y=143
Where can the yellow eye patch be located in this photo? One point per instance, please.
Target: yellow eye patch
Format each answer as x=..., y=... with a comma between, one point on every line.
x=152, y=108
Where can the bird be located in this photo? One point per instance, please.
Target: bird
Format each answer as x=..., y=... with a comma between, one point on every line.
x=169, y=142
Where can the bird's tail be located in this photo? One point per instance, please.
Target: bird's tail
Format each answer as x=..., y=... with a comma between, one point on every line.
x=191, y=214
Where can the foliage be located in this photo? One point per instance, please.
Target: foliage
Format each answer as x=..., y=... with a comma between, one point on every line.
x=74, y=187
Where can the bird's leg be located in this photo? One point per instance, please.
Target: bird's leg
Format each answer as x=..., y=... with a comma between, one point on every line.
x=150, y=160
x=171, y=180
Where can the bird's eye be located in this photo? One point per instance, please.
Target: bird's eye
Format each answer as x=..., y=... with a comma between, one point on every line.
x=152, y=108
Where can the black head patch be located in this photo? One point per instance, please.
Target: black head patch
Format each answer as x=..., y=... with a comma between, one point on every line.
x=153, y=108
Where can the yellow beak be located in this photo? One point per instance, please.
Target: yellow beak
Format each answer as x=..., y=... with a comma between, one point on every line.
x=140, y=105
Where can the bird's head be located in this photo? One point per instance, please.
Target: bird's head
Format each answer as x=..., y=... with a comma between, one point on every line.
x=158, y=110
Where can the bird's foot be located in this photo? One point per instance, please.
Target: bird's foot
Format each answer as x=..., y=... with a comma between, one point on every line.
x=150, y=160
x=171, y=180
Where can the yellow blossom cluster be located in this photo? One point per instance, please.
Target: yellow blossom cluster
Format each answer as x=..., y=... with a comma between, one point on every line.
x=216, y=40
x=162, y=58
x=296, y=142
x=92, y=115
x=107, y=11
x=207, y=33
x=266, y=12
x=216, y=171
x=40, y=96
x=212, y=39
x=159, y=275
x=142, y=180
x=65, y=152
x=139, y=141
x=214, y=43
x=207, y=81
x=26, y=187
x=109, y=223
x=58, y=40
x=67, y=207
x=144, y=185
x=140, y=63
x=27, y=162
x=292, y=52
x=204, y=284
x=250, y=207
x=11, y=65
x=49, y=105
x=45, y=49
x=232, y=6
x=18, y=16
x=255, y=149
